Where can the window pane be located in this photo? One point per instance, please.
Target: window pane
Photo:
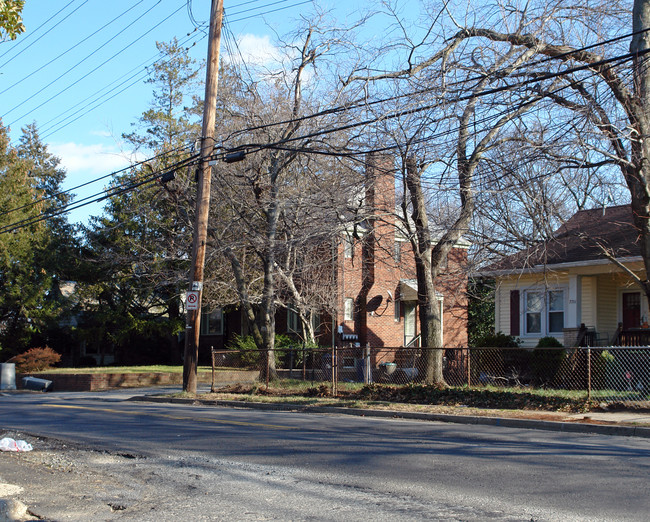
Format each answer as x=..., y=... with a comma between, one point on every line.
x=534, y=301
x=555, y=321
x=315, y=322
x=556, y=301
x=212, y=322
x=292, y=320
x=533, y=322
x=347, y=311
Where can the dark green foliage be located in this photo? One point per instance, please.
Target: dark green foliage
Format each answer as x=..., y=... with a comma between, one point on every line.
x=549, y=342
x=33, y=251
x=545, y=364
x=487, y=364
x=86, y=361
x=136, y=262
x=480, y=310
x=497, y=340
x=251, y=356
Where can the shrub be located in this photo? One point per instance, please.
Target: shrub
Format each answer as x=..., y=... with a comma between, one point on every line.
x=497, y=340
x=546, y=364
x=251, y=356
x=35, y=360
x=487, y=364
x=549, y=342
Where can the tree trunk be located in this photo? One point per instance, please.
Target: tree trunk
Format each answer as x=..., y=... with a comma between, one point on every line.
x=638, y=179
x=428, y=308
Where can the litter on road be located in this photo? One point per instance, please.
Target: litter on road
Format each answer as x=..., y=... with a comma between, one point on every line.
x=9, y=444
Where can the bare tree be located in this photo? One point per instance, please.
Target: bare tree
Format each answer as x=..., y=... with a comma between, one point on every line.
x=597, y=90
x=279, y=204
x=443, y=129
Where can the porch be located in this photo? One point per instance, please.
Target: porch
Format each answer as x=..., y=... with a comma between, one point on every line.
x=590, y=337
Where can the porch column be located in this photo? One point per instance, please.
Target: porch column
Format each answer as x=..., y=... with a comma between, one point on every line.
x=573, y=313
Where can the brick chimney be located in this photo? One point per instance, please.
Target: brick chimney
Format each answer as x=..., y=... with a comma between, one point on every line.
x=380, y=183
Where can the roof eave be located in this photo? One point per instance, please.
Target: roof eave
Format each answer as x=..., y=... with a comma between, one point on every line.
x=537, y=269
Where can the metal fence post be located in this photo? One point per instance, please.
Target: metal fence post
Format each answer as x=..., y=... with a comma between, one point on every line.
x=269, y=354
x=333, y=372
x=589, y=374
x=212, y=390
x=469, y=368
x=366, y=365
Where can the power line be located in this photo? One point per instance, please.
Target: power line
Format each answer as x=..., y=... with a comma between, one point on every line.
x=92, y=71
x=95, y=180
x=67, y=51
x=96, y=198
x=57, y=128
x=277, y=2
x=366, y=103
x=44, y=34
x=410, y=111
x=129, y=79
x=428, y=107
x=280, y=145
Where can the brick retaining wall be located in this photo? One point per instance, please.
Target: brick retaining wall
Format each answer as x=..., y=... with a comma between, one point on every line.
x=105, y=381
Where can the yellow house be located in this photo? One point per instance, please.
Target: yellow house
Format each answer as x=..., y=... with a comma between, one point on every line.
x=575, y=279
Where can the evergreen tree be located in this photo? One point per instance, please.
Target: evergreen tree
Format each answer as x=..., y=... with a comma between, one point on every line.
x=138, y=250
x=23, y=282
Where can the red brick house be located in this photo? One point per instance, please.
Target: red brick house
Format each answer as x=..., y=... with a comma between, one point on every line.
x=375, y=282
x=377, y=288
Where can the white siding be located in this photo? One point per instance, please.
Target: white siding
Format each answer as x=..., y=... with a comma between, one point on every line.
x=522, y=283
x=607, y=313
x=588, y=301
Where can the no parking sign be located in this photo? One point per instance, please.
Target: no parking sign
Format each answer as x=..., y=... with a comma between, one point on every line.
x=192, y=300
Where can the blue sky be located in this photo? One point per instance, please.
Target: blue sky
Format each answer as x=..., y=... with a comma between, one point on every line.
x=78, y=70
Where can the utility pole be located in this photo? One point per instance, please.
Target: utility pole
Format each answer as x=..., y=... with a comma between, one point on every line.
x=193, y=324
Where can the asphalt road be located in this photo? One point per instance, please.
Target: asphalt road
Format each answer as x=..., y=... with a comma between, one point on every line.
x=216, y=463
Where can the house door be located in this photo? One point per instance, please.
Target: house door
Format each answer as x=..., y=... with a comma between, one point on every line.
x=631, y=310
x=409, y=322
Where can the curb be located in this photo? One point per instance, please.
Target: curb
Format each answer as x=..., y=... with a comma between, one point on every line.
x=504, y=422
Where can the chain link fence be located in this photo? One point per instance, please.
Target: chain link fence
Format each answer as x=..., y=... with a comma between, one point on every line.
x=604, y=374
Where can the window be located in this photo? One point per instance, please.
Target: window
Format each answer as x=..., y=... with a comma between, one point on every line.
x=534, y=307
x=556, y=311
x=544, y=312
x=397, y=310
x=347, y=309
x=293, y=321
x=397, y=251
x=212, y=322
x=410, y=328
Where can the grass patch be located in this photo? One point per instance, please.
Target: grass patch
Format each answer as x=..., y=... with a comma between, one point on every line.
x=385, y=396
x=483, y=397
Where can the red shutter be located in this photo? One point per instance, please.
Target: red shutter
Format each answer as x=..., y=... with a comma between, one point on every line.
x=514, y=312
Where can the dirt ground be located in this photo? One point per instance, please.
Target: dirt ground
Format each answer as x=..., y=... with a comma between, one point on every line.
x=63, y=481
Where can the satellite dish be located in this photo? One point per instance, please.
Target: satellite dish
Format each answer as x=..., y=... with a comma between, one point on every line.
x=390, y=295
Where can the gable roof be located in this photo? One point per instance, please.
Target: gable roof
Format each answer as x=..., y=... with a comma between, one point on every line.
x=581, y=240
